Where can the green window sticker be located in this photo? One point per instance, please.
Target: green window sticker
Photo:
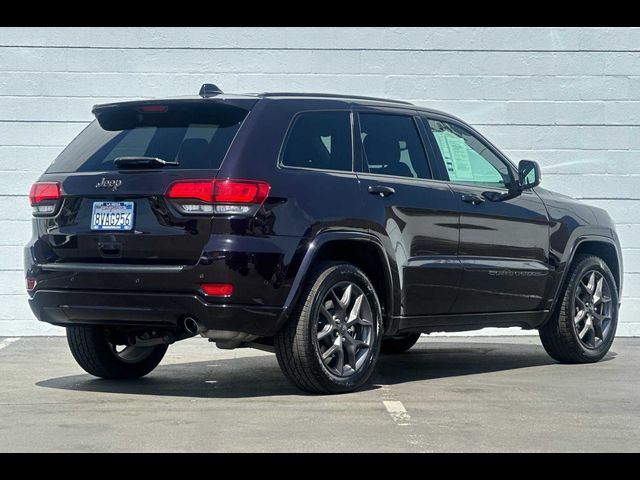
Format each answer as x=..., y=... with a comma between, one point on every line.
x=455, y=153
x=466, y=158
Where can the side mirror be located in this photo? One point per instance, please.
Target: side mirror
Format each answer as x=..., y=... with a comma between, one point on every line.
x=529, y=174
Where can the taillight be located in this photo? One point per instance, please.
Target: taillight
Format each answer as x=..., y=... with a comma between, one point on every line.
x=192, y=190
x=230, y=197
x=232, y=191
x=44, y=197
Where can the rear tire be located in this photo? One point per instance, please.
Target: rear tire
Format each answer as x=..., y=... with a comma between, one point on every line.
x=91, y=348
x=331, y=343
x=587, y=311
x=399, y=343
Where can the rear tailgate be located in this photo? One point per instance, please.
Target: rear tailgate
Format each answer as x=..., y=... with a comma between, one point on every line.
x=120, y=215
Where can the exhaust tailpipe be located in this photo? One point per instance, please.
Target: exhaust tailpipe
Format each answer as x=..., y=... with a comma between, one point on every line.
x=191, y=325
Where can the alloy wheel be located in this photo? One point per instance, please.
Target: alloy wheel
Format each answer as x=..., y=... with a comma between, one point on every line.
x=593, y=309
x=345, y=330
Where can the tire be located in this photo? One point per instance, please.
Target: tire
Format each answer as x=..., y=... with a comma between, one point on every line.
x=560, y=336
x=399, y=343
x=95, y=354
x=310, y=333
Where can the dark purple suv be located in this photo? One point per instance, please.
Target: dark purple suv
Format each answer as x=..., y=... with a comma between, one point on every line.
x=328, y=228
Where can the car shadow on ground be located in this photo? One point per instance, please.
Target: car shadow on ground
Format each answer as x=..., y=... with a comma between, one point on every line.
x=260, y=376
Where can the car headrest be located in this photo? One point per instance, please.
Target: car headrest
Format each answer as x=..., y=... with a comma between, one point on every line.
x=381, y=149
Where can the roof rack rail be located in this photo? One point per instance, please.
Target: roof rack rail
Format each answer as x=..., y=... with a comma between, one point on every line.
x=331, y=95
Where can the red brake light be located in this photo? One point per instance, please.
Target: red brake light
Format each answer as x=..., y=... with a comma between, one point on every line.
x=42, y=191
x=154, y=109
x=195, y=189
x=217, y=289
x=234, y=191
x=219, y=196
x=44, y=197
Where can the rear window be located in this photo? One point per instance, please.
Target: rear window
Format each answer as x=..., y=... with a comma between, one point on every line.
x=197, y=137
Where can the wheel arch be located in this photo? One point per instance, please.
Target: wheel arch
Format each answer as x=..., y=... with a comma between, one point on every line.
x=604, y=247
x=607, y=251
x=361, y=249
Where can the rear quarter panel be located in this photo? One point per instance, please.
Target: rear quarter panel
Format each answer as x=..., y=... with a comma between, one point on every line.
x=301, y=204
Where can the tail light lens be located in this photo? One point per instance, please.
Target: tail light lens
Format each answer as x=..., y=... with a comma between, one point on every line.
x=44, y=197
x=230, y=197
x=192, y=190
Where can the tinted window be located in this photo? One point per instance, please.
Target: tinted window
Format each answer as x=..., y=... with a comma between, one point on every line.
x=320, y=140
x=392, y=146
x=197, y=137
x=466, y=158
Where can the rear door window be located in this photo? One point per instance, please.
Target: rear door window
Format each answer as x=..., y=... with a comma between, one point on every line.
x=195, y=136
x=319, y=140
x=392, y=146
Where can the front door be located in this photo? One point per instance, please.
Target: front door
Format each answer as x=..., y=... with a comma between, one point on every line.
x=412, y=214
x=504, y=242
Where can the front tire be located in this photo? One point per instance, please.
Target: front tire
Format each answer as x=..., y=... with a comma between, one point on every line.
x=332, y=341
x=584, y=323
x=96, y=354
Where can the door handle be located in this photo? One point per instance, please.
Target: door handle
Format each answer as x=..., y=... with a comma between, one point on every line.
x=381, y=190
x=472, y=199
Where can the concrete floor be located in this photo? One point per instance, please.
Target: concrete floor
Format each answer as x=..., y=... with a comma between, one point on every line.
x=446, y=394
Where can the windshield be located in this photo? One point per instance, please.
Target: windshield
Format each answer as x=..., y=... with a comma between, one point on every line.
x=194, y=137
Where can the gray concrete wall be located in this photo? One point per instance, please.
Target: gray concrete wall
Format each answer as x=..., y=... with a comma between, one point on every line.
x=567, y=97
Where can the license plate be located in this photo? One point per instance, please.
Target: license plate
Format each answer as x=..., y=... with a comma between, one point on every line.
x=112, y=216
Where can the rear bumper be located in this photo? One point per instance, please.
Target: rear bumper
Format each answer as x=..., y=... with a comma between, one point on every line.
x=69, y=307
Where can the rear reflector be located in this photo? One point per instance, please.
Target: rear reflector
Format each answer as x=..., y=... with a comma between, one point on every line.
x=31, y=283
x=217, y=289
x=44, y=197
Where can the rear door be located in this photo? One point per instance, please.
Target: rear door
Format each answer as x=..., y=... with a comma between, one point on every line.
x=412, y=213
x=504, y=239
x=117, y=213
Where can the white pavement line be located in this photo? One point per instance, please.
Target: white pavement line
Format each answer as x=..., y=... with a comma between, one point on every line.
x=7, y=341
x=397, y=411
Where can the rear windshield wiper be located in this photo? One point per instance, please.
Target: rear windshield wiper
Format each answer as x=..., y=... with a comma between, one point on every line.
x=142, y=162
